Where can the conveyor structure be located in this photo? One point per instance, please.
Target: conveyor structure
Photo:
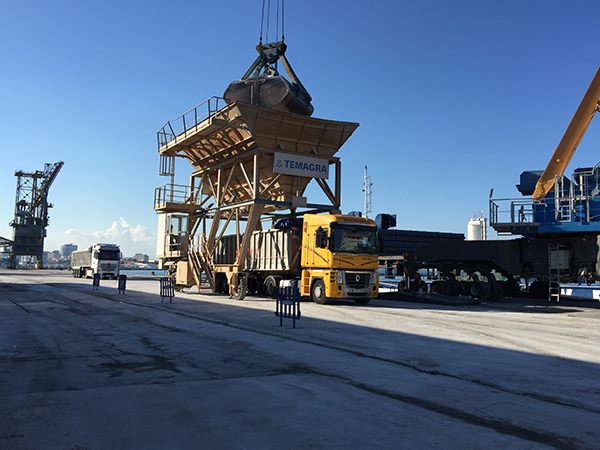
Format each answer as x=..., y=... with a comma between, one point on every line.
x=249, y=163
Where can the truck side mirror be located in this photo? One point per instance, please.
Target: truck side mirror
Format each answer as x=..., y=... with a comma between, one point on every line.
x=321, y=238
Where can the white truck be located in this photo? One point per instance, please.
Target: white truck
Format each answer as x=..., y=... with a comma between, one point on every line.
x=99, y=258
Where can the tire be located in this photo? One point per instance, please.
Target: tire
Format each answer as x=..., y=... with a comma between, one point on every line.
x=464, y=285
x=479, y=290
x=436, y=287
x=455, y=287
x=317, y=292
x=270, y=286
x=440, y=287
x=497, y=292
x=241, y=289
x=362, y=301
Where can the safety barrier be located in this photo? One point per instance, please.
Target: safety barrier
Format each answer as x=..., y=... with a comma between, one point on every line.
x=167, y=289
x=96, y=281
x=188, y=120
x=288, y=304
x=122, y=282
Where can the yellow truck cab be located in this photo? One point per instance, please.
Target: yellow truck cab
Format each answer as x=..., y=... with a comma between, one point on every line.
x=339, y=258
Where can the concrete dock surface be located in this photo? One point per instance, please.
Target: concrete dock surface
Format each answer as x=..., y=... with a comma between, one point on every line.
x=85, y=369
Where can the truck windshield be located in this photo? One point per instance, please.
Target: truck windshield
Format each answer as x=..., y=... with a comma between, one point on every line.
x=353, y=239
x=108, y=254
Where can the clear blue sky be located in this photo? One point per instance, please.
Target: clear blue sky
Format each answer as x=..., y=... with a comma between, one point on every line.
x=453, y=98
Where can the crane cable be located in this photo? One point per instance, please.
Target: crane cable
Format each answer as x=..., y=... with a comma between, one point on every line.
x=262, y=20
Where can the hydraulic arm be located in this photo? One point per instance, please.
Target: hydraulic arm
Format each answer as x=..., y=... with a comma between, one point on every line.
x=570, y=140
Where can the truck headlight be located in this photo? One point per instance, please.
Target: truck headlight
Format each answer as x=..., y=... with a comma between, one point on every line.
x=374, y=277
x=340, y=277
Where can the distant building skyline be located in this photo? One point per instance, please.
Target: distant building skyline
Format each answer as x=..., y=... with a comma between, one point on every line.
x=67, y=249
x=141, y=257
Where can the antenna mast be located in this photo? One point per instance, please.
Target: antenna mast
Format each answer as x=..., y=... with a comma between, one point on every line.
x=367, y=191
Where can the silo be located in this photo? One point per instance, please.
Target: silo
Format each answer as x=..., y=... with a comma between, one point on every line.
x=476, y=229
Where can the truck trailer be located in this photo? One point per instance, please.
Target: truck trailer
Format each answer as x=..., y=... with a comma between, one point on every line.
x=103, y=259
x=328, y=256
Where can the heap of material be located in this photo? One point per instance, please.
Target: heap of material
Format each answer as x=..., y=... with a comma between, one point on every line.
x=247, y=161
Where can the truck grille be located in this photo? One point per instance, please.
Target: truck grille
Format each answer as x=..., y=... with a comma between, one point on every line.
x=357, y=280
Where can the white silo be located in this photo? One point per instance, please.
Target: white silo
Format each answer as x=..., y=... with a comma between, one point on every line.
x=477, y=229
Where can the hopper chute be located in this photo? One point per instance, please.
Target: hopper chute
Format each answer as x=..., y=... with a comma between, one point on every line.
x=240, y=142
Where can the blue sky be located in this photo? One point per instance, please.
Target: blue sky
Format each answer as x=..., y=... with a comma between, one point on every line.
x=453, y=98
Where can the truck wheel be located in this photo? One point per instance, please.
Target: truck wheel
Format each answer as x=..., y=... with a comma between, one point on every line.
x=496, y=290
x=440, y=287
x=239, y=292
x=270, y=286
x=362, y=301
x=318, y=292
x=480, y=290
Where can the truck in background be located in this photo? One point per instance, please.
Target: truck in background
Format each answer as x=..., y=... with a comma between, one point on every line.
x=103, y=259
x=329, y=256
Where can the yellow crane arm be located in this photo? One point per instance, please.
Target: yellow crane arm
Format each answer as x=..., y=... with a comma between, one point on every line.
x=570, y=140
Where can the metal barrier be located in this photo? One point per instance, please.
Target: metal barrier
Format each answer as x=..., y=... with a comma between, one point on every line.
x=167, y=289
x=96, y=281
x=288, y=304
x=122, y=282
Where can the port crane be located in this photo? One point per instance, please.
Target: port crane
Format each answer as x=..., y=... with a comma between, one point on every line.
x=570, y=140
x=31, y=212
x=558, y=223
x=558, y=206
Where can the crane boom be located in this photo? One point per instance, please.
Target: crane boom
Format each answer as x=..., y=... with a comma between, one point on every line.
x=570, y=140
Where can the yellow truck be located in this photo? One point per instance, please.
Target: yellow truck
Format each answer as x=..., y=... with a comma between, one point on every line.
x=328, y=256
x=339, y=258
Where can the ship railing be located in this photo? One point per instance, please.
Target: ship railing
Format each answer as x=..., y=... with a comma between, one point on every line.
x=188, y=120
x=171, y=194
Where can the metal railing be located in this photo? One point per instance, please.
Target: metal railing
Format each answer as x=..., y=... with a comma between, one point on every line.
x=187, y=120
x=175, y=193
x=518, y=211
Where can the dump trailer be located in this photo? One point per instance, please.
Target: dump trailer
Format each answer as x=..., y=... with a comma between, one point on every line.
x=103, y=259
x=328, y=256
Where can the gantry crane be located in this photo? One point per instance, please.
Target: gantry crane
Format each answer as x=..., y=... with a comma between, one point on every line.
x=31, y=212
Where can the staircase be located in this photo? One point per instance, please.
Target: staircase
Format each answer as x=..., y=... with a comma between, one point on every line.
x=201, y=262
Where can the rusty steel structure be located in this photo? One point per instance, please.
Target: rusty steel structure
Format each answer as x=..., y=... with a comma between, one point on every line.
x=238, y=153
x=31, y=212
